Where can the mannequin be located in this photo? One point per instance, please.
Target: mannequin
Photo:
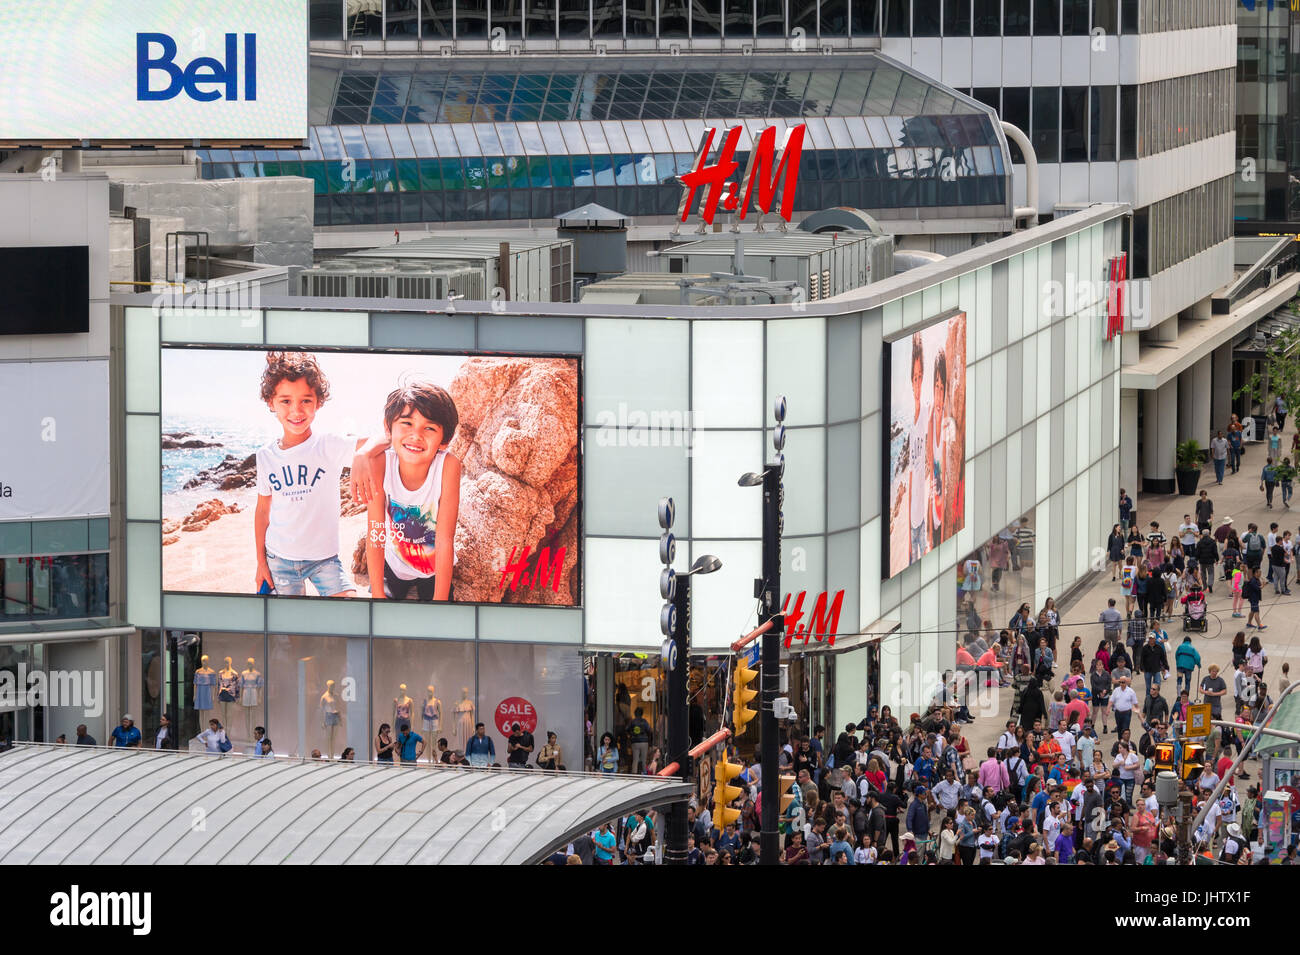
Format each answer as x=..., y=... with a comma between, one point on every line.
x=227, y=690
x=432, y=721
x=250, y=697
x=330, y=717
x=464, y=727
x=205, y=685
x=402, y=706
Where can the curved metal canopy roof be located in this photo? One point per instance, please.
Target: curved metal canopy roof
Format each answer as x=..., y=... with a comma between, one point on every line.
x=87, y=805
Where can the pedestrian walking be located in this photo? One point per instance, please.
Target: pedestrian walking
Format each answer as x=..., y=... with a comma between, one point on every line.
x=1115, y=550
x=1204, y=513
x=1125, y=509
x=1234, y=444
x=1279, y=411
x=1219, y=454
x=1285, y=475
x=1252, y=591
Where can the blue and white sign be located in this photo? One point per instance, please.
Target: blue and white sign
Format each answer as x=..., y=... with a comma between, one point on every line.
x=153, y=71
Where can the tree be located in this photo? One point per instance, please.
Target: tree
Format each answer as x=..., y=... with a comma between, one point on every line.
x=1281, y=368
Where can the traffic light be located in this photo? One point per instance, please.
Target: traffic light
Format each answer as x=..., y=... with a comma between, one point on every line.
x=741, y=711
x=1193, y=760
x=787, y=791
x=1164, y=757
x=724, y=793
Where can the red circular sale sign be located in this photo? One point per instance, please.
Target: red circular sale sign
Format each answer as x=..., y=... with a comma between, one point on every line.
x=512, y=710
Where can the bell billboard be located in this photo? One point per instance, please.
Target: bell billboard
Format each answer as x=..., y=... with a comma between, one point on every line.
x=161, y=72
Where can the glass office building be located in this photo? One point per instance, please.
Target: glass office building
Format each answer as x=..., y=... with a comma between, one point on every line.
x=427, y=140
x=1268, y=137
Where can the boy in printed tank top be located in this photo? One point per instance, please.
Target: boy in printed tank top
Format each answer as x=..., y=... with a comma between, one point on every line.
x=412, y=524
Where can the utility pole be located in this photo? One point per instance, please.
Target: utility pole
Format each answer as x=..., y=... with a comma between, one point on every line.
x=769, y=594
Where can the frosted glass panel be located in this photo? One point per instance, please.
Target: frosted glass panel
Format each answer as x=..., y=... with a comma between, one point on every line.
x=805, y=481
x=313, y=329
x=842, y=574
x=796, y=368
x=983, y=400
x=803, y=566
x=1015, y=286
x=983, y=312
x=285, y=615
x=843, y=457
x=192, y=612
x=1044, y=371
x=635, y=366
x=396, y=618
x=873, y=457
x=627, y=475
x=144, y=579
x=1015, y=467
x=871, y=363
x=239, y=326
x=141, y=359
x=1031, y=295
x=622, y=578
x=1044, y=444
x=727, y=400
x=999, y=386
x=843, y=373
x=722, y=604
x=531, y=624
x=144, y=467
x=721, y=507
x=869, y=588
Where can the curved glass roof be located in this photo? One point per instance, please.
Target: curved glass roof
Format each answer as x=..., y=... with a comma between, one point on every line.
x=429, y=90
x=94, y=805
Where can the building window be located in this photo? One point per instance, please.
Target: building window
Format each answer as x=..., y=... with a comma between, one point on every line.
x=63, y=585
x=739, y=18
x=956, y=17
x=673, y=19
x=898, y=18
x=1074, y=18
x=926, y=18
x=1016, y=17
x=987, y=17
x=1105, y=16
x=1101, y=122
x=1128, y=110
x=835, y=18
x=1074, y=124
x=436, y=19
x=402, y=20
x=1046, y=123
x=471, y=19
x=1015, y=110
x=1047, y=17
x=1128, y=16
x=770, y=17
x=706, y=18
x=506, y=16
x=326, y=20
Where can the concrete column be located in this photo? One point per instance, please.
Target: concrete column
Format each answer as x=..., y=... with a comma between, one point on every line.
x=1159, y=431
x=1128, y=440
x=1202, y=391
x=1221, y=389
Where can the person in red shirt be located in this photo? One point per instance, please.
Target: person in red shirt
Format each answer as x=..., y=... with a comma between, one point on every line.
x=1048, y=750
x=1076, y=711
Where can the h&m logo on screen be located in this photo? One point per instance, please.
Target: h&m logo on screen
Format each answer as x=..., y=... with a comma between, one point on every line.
x=203, y=78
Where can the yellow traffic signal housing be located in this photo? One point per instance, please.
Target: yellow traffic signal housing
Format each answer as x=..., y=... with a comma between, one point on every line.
x=724, y=793
x=741, y=711
x=786, y=789
x=1164, y=757
x=1193, y=760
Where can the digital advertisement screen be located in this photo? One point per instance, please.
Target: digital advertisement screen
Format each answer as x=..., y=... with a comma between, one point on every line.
x=925, y=400
x=415, y=477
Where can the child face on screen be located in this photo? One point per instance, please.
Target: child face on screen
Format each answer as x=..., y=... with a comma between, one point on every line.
x=415, y=438
x=294, y=404
x=940, y=396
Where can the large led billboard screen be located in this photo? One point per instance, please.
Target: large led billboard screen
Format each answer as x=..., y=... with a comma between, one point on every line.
x=153, y=71
x=418, y=477
x=925, y=400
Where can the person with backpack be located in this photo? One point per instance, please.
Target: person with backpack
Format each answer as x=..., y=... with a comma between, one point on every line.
x=1186, y=658
x=1252, y=590
x=1207, y=555
x=1252, y=547
x=1268, y=481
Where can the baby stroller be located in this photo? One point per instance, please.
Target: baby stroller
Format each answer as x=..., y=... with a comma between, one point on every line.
x=1194, y=611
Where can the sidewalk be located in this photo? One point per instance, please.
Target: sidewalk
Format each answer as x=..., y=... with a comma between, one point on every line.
x=1239, y=498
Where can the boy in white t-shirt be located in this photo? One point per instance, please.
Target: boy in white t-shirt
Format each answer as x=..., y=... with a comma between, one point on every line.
x=296, y=524
x=411, y=542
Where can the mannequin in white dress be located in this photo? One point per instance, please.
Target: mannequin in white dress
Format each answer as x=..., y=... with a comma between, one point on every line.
x=402, y=707
x=330, y=716
x=464, y=728
x=432, y=722
x=250, y=694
